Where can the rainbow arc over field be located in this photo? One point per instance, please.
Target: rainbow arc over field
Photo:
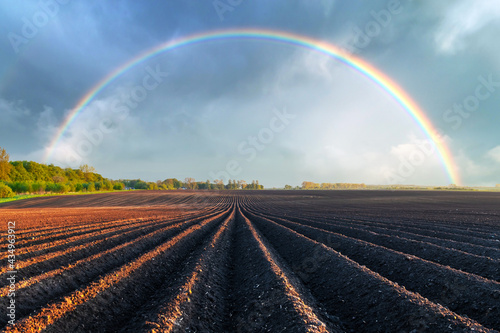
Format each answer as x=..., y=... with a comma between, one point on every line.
x=376, y=76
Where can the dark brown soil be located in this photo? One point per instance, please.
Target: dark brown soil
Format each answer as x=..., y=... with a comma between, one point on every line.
x=256, y=261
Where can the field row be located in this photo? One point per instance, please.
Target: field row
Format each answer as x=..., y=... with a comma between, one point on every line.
x=233, y=263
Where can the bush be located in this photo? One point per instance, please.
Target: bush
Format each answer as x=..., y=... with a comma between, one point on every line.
x=5, y=191
x=61, y=188
x=71, y=187
x=37, y=187
x=140, y=185
x=20, y=187
x=90, y=187
x=79, y=187
x=107, y=185
x=118, y=186
x=49, y=187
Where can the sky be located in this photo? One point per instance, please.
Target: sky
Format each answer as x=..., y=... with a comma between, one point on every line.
x=254, y=109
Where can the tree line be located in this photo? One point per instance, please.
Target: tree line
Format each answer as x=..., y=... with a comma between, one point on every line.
x=31, y=177
x=331, y=186
x=191, y=184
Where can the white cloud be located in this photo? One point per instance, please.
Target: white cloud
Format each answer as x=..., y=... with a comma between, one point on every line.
x=479, y=170
x=46, y=124
x=474, y=171
x=494, y=154
x=347, y=129
x=329, y=5
x=13, y=114
x=463, y=20
x=94, y=126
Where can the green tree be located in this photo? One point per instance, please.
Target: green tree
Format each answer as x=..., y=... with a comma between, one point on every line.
x=19, y=173
x=71, y=187
x=190, y=183
x=168, y=184
x=60, y=188
x=310, y=185
x=71, y=175
x=219, y=184
x=58, y=179
x=38, y=187
x=5, y=191
x=107, y=185
x=85, y=168
x=20, y=187
x=5, y=166
x=90, y=187
x=38, y=172
x=141, y=185
x=88, y=173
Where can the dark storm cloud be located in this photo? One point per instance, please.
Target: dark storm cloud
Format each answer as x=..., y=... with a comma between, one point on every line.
x=435, y=51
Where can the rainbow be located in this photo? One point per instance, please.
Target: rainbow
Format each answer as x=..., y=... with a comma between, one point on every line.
x=372, y=73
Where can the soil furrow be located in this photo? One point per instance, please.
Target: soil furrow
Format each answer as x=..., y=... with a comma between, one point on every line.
x=364, y=300
x=35, y=291
x=89, y=246
x=267, y=296
x=479, y=265
x=461, y=292
x=102, y=300
x=192, y=298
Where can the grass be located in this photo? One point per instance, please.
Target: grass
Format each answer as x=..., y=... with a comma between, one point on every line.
x=28, y=196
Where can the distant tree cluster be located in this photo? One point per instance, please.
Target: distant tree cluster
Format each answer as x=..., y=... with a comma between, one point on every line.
x=191, y=184
x=23, y=177
x=231, y=185
x=31, y=177
x=137, y=184
x=331, y=186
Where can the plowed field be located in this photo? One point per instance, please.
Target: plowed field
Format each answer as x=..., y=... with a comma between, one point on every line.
x=254, y=261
